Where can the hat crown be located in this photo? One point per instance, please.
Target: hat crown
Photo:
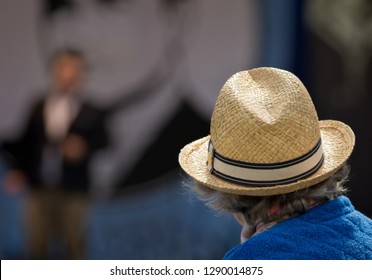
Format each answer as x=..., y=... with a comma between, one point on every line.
x=264, y=116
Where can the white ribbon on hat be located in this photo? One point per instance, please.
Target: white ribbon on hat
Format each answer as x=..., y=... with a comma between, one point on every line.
x=265, y=174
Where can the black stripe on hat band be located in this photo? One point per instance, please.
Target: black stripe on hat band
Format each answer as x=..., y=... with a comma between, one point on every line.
x=268, y=183
x=267, y=165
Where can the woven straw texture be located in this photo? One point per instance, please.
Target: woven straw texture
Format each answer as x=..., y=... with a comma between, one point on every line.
x=266, y=115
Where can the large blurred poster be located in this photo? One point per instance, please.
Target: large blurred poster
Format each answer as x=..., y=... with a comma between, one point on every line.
x=156, y=66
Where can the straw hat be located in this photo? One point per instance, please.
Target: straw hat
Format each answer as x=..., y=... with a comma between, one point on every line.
x=266, y=139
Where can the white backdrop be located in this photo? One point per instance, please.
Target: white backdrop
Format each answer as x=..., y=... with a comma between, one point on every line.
x=196, y=47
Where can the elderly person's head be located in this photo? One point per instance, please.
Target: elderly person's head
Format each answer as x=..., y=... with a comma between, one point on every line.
x=268, y=158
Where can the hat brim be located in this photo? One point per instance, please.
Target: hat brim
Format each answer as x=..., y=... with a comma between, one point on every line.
x=337, y=142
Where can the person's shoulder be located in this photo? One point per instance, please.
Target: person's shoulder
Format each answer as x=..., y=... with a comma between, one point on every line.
x=259, y=249
x=91, y=107
x=296, y=238
x=37, y=98
x=273, y=244
x=320, y=233
x=37, y=103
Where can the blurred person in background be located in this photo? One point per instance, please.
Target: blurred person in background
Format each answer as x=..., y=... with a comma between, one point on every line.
x=279, y=170
x=52, y=156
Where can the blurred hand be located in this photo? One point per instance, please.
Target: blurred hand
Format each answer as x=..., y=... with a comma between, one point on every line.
x=74, y=148
x=14, y=181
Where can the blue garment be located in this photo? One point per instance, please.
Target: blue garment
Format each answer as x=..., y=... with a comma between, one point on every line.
x=333, y=230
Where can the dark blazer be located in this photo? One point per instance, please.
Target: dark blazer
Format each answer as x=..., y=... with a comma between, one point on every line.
x=28, y=149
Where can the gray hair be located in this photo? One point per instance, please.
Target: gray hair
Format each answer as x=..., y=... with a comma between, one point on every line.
x=253, y=207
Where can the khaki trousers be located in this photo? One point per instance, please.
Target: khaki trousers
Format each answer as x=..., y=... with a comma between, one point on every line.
x=56, y=216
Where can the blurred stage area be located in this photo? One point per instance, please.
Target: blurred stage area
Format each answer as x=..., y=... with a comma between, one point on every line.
x=154, y=69
x=162, y=222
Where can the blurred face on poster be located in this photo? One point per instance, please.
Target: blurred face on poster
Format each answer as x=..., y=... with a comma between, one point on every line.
x=123, y=40
x=127, y=41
